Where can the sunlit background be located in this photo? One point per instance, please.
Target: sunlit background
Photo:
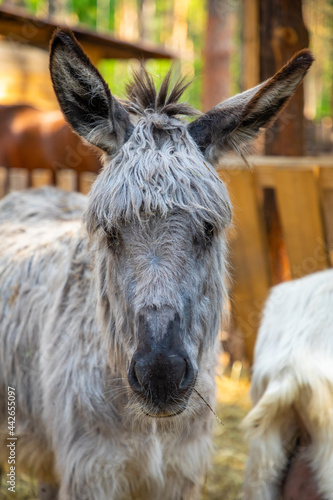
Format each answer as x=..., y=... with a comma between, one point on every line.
x=181, y=27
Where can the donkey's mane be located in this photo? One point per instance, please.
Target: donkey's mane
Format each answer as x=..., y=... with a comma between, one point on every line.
x=142, y=95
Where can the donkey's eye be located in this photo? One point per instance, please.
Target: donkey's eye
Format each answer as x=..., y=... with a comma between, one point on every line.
x=204, y=239
x=113, y=237
x=209, y=233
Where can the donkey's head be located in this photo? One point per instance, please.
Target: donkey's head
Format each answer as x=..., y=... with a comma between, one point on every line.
x=157, y=214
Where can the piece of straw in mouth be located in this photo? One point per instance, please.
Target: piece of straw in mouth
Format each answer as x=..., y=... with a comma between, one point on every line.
x=211, y=409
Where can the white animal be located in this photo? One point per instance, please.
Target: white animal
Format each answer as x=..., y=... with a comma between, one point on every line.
x=292, y=386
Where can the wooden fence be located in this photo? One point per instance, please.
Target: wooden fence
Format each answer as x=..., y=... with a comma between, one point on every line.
x=303, y=192
x=302, y=189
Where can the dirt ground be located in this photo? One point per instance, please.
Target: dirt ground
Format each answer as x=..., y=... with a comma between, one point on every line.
x=225, y=478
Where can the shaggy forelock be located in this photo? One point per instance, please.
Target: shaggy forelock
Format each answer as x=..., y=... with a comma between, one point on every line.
x=158, y=171
x=143, y=96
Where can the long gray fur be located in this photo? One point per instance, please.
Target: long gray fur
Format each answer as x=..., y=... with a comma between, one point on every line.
x=153, y=238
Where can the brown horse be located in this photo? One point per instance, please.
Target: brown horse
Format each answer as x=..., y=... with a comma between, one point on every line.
x=30, y=139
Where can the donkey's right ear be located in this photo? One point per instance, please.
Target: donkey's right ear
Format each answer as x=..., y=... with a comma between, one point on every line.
x=84, y=97
x=238, y=120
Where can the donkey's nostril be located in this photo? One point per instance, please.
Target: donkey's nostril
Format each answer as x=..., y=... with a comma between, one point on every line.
x=188, y=375
x=133, y=378
x=182, y=383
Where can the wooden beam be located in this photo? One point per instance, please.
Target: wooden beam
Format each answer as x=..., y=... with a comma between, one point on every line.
x=264, y=167
x=326, y=196
x=299, y=208
x=248, y=256
x=18, y=26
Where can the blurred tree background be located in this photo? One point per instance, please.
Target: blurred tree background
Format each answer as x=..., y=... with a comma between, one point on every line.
x=178, y=25
x=318, y=16
x=187, y=27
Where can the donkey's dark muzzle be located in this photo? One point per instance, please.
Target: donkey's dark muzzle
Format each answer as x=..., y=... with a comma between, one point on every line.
x=162, y=379
x=161, y=372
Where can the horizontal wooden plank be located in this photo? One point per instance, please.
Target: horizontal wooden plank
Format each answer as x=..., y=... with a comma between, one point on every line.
x=264, y=167
x=38, y=33
x=276, y=161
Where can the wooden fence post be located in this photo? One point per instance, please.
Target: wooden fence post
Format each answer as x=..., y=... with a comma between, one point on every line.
x=299, y=209
x=248, y=256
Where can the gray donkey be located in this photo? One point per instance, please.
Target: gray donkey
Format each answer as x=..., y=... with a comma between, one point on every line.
x=109, y=328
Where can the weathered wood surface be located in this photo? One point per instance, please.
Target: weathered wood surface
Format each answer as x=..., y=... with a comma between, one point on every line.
x=326, y=196
x=17, y=25
x=299, y=208
x=303, y=189
x=248, y=256
x=282, y=34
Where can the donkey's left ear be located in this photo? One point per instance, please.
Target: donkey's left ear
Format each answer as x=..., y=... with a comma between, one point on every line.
x=239, y=119
x=84, y=97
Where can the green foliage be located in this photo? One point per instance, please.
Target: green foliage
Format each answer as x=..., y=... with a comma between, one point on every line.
x=318, y=16
x=116, y=74
x=160, y=31
x=159, y=28
x=35, y=5
x=157, y=24
x=85, y=11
